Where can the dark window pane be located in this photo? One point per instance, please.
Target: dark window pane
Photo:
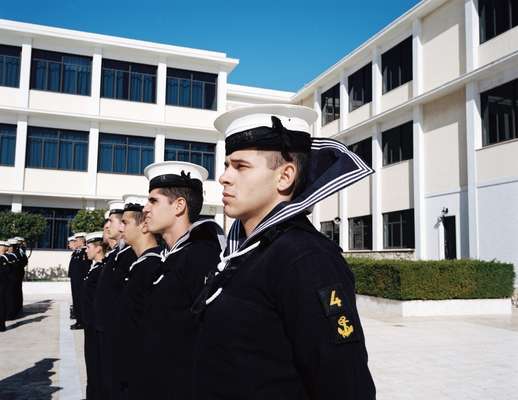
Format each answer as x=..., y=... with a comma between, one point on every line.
x=185, y=93
x=70, y=79
x=130, y=81
x=203, y=154
x=330, y=104
x=58, y=226
x=397, y=144
x=191, y=89
x=105, y=158
x=172, y=91
x=119, y=159
x=7, y=144
x=210, y=97
x=108, y=83
x=125, y=154
x=396, y=65
x=197, y=94
x=65, y=155
x=500, y=113
x=364, y=150
x=360, y=233
x=398, y=229
x=136, y=87
x=10, y=66
x=360, y=87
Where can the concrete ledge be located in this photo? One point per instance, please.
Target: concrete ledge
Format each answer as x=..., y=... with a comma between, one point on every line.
x=379, y=307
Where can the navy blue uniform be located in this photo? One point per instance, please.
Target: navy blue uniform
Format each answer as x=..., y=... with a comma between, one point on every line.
x=285, y=325
x=77, y=270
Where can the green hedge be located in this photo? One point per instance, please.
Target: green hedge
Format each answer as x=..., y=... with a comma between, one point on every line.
x=432, y=280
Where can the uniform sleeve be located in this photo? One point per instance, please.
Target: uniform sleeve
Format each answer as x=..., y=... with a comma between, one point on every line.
x=317, y=303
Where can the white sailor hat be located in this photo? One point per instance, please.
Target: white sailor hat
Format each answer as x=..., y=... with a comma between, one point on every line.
x=4, y=243
x=106, y=215
x=80, y=235
x=94, y=237
x=134, y=202
x=115, y=207
x=175, y=174
x=279, y=127
x=71, y=238
x=19, y=238
x=12, y=242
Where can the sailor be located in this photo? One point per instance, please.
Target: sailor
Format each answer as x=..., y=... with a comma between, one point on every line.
x=4, y=272
x=95, y=250
x=21, y=255
x=77, y=270
x=193, y=246
x=279, y=318
x=134, y=300
x=13, y=277
x=71, y=245
x=111, y=283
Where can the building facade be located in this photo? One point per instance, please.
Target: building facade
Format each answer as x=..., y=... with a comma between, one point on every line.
x=430, y=102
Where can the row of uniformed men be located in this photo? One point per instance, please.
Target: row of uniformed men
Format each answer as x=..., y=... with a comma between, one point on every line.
x=13, y=261
x=268, y=313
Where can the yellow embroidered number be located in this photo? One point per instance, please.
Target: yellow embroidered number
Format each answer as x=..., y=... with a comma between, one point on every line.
x=335, y=300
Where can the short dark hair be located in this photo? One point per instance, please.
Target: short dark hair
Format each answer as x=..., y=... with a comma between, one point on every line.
x=193, y=198
x=138, y=216
x=275, y=159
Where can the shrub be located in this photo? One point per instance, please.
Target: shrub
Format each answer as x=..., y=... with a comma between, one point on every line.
x=88, y=221
x=433, y=280
x=29, y=226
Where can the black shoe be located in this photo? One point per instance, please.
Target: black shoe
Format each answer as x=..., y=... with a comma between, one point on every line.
x=2, y=328
x=77, y=325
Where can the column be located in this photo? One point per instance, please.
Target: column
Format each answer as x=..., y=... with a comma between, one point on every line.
x=377, y=163
x=377, y=81
x=159, y=146
x=472, y=34
x=419, y=201
x=96, y=78
x=344, y=222
x=19, y=156
x=222, y=91
x=161, y=84
x=344, y=101
x=417, y=58
x=473, y=142
x=315, y=215
x=25, y=72
x=93, y=145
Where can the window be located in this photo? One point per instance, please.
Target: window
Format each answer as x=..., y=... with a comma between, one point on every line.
x=203, y=154
x=398, y=230
x=496, y=17
x=363, y=149
x=499, y=113
x=360, y=87
x=7, y=144
x=59, y=72
x=58, y=226
x=331, y=104
x=398, y=144
x=125, y=154
x=4, y=208
x=128, y=81
x=57, y=149
x=396, y=65
x=331, y=230
x=10, y=66
x=360, y=233
x=191, y=89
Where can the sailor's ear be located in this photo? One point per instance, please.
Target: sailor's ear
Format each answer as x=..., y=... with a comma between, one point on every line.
x=286, y=178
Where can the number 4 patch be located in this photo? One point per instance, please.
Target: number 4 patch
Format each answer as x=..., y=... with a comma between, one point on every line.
x=332, y=299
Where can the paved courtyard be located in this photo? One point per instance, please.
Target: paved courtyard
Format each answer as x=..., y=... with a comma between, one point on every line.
x=412, y=358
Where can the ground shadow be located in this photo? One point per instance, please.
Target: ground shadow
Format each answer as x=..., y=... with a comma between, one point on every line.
x=39, y=307
x=32, y=384
x=24, y=322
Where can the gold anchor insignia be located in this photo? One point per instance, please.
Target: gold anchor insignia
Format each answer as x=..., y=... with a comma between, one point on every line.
x=344, y=330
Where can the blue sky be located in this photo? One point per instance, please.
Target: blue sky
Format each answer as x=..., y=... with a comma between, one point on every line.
x=281, y=44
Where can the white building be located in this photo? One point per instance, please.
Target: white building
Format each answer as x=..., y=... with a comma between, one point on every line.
x=431, y=101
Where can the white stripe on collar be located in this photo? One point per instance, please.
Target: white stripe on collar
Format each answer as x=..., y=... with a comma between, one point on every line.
x=143, y=257
x=121, y=251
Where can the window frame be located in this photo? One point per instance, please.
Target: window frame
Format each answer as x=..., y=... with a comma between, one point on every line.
x=127, y=146
x=396, y=58
x=3, y=135
x=35, y=57
x=192, y=77
x=212, y=171
x=332, y=93
x=363, y=77
x=498, y=114
x=52, y=221
x=359, y=148
x=404, y=217
x=59, y=141
x=131, y=70
x=404, y=154
x=4, y=57
x=364, y=223
x=488, y=18
x=335, y=231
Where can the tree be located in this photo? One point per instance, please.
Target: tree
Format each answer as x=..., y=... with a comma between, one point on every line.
x=88, y=221
x=29, y=226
